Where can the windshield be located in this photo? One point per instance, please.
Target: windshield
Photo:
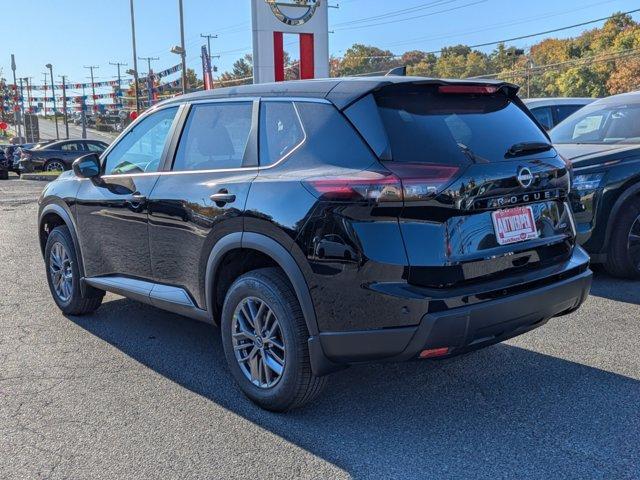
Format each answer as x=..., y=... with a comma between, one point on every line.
x=425, y=126
x=600, y=124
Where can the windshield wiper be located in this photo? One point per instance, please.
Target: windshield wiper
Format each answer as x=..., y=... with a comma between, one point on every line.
x=525, y=148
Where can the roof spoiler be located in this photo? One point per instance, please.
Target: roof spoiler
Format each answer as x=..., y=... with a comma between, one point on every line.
x=397, y=72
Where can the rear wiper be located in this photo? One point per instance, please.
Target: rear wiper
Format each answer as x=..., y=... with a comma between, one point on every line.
x=525, y=148
x=471, y=154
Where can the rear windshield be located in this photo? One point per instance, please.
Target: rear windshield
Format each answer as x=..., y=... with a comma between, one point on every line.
x=425, y=126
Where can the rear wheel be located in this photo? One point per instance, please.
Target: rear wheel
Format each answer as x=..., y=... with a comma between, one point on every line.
x=623, y=258
x=54, y=166
x=264, y=336
x=63, y=275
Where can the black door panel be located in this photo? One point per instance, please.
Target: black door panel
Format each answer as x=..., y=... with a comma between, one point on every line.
x=112, y=220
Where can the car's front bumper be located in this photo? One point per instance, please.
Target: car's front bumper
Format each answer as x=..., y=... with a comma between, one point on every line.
x=463, y=328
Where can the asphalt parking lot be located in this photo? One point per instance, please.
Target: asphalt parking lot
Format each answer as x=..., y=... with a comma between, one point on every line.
x=134, y=392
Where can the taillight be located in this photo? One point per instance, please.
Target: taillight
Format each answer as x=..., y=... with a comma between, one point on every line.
x=468, y=89
x=406, y=182
x=364, y=185
x=421, y=181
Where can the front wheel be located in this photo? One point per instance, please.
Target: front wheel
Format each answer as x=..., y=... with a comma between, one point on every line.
x=63, y=275
x=623, y=259
x=264, y=336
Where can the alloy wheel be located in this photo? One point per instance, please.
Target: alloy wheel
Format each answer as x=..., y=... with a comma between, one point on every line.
x=633, y=243
x=258, y=343
x=54, y=167
x=61, y=272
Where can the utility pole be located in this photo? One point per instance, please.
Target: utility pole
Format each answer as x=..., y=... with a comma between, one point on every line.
x=148, y=60
x=24, y=120
x=136, y=87
x=119, y=64
x=183, y=52
x=53, y=93
x=83, y=114
x=45, y=92
x=64, y=105
x=93, y=87
x=16, y=112
x=208, y=37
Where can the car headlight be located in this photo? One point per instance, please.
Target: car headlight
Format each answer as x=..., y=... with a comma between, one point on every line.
x=590, y=181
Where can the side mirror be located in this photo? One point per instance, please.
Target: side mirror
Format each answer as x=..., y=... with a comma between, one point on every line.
x=87, y=166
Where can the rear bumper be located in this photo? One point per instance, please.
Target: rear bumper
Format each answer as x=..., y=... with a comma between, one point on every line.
x=460, y=329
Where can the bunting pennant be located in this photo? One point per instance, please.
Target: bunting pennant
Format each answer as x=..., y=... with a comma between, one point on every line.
x=168, y=71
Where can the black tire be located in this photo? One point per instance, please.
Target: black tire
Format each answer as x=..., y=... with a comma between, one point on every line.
x=4, y=174
x=76, y=304
x=297, y=384
x=619, y=262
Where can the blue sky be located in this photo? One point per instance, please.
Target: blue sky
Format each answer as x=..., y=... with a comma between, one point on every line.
x=73, y=33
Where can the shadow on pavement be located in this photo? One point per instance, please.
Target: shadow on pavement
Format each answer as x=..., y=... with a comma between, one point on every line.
x=503, y=412
x=620, y=290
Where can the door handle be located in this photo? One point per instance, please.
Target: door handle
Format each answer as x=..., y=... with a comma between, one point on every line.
x=223, y=197
x=136, y=200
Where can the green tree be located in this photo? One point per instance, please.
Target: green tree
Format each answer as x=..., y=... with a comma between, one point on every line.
x=361, y=59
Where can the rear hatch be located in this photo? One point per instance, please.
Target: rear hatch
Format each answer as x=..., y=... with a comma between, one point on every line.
x=483, y=191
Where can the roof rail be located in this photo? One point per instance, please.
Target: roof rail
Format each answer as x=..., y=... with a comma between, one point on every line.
x=397, y=72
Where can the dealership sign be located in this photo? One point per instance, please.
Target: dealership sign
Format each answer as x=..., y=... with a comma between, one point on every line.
x=294, y=12
x=272, y=20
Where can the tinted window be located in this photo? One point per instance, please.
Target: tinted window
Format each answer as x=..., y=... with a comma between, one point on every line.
x=600, y=124
x=425, y=126
x=95, y=147
x=280, y=131
x=544, y=116
x=141, y=149
x=215, y=136
x=72, y=147
x=564, y=111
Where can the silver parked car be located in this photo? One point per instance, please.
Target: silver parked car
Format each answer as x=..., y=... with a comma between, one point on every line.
x=551, y=111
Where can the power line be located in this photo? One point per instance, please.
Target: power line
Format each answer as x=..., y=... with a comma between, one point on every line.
x=395, y=13
x=414, y=17
x=519, y=21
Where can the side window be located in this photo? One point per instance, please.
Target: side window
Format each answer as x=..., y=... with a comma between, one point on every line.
x=544, y=116
x=563, y=111
x=280, y=131
x=72, y=147
x=95, y=147
x=215, y=136
x=141, y=149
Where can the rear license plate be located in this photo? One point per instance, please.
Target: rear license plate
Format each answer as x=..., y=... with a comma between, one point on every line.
x=514, y=225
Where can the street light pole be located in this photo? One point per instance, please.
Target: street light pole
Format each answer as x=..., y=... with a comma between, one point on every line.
x=53, y=93
x=16, y=112
x=24, y=120
x=183, y=52
x=136, y=87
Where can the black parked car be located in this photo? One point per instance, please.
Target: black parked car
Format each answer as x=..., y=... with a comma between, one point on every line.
x=5, y=164
x=325, y=223
x=603, y=142
x=57, y=156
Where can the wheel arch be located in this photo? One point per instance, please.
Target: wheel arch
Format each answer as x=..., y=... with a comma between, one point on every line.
x=54, y=215
x=276, y=252
x=629, y=193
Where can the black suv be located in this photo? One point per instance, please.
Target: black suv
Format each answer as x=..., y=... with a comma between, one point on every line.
x=603, y=143
x=325, y=223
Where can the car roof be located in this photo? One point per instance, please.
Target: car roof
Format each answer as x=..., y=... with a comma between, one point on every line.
x=549, y=102
x=620, y=99
x=342, y=91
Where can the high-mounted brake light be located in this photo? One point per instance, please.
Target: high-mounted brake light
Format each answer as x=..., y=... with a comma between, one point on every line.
x=468, y=89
